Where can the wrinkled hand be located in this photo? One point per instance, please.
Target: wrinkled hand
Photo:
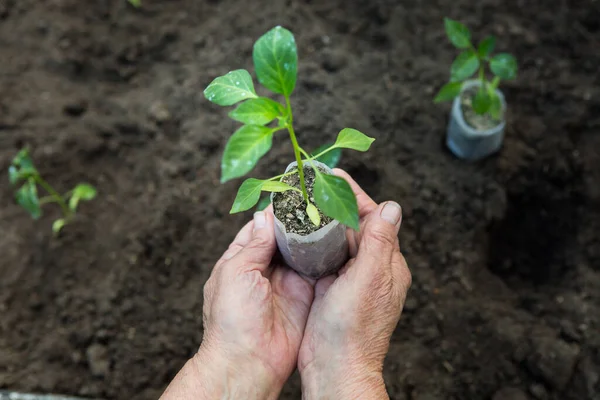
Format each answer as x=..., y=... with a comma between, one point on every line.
x=355, y=312
x=254, y=318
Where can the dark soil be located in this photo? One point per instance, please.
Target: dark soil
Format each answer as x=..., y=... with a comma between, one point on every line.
x=505, y=253
x=290, y=208
x=480, y=122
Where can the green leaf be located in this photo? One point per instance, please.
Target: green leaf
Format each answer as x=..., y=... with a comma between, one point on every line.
x=313, y=214
x=495, y=106
x=83, y=191
x=349, y=138
x=464, y=66
x=243, y=150
x=27, y=198
x=277, y=186
x=58, y=225
x=459, y=34
x=504, y=66
x=247, y=195
x=448, y=92
x=259, y=111
x=135, y=3
x=13, y=175
x=486, y=47
x=331, y=158
x=263, y=203
x=231, y=88
x=276, y=60
x=335, y=198
x=481, y=101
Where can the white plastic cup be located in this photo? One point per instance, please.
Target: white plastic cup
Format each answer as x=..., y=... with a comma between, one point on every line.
x=466, y=142
x=317, y=254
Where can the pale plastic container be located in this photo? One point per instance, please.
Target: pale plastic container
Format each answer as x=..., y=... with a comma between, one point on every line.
x=468, y=143
x=318, y=254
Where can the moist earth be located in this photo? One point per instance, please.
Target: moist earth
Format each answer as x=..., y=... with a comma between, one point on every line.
x=505, y=252
x=290, y=207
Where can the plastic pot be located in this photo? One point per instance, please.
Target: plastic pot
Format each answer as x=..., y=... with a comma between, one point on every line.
x=467, y=142
x=317, y=254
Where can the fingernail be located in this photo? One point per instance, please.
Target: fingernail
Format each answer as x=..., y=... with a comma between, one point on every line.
x=260, y=220
x=391, y=212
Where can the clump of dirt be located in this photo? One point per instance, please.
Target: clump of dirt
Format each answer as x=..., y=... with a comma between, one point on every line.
x=480, y=122
x=290, y=207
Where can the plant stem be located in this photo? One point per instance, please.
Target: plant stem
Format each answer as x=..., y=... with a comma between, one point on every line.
x=482, y=77
x=290, y=128
x=292, y=172
x=57, y=197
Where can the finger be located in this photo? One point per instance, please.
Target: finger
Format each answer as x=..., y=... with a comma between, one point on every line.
x=258, y=252
x=379, y=239
x=241, y=240
x=323, y=285
x=401, y=274
x=365, y=202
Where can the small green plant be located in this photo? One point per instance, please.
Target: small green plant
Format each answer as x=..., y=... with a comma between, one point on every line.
x=23, y=171
x=135, y=3
x=503, y=66
x=276, y=65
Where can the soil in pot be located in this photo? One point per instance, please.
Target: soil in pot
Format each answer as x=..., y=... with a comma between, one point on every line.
x=290, y=208
x=480, y=122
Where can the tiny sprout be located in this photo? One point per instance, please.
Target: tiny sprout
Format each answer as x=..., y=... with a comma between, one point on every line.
x=135, y=3
x=276, y=66
x=474, y=59
x=23, y=171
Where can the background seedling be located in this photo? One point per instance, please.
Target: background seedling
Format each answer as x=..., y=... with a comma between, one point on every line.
x=276, y=65
x=474, y=60
x=23, y=171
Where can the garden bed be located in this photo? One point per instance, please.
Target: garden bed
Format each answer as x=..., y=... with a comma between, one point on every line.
x=505, y=253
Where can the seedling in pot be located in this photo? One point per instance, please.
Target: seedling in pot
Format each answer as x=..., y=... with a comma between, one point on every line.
x=474, y=60
x=478, y=101
x=276, y=65
x=22, y=171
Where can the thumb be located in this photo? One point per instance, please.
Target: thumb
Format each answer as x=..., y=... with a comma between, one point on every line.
x=379, y=238
x=257, y=254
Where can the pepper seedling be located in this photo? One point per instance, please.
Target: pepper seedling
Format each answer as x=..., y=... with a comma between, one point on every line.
x=276, y=66
x=471, y=60
x=23, y=171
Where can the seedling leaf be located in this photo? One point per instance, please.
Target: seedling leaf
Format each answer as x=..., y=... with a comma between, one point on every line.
x=331, y=158
x=464, y=66
x=335, y=198
x=13, y=175
x=313, y=214
x=276, y=60
x=263, y=203
x=258, y=111
x=495, y=105
x=349, y=138
x=27, y=198
x=231, y=88
x=247, y=195
x=486, y=47
x=243, y=150
x=58, y=225
x=448, y=92
x=459, y=34
x=504, y=66
x=481, y=101
x=83, y=191
x=277, y=186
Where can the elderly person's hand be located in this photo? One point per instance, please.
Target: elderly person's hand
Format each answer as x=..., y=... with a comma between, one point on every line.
x=254, y=318
x=355, y=312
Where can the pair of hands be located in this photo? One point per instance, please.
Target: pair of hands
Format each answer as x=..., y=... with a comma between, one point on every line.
x=261, y=320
